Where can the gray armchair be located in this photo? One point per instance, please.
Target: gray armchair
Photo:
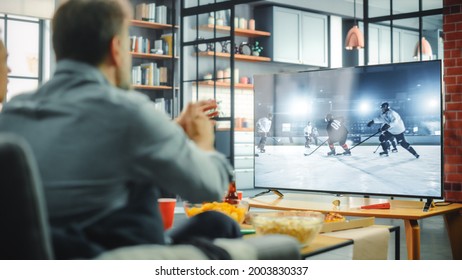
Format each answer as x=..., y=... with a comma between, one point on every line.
x=25, y=230
x=24, y=233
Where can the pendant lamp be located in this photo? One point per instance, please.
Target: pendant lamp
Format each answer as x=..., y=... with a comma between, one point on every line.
x=355, y=38
x=426, y=52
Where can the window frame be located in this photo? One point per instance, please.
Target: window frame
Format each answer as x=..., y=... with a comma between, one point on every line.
x=391, y=18
x=7, y=18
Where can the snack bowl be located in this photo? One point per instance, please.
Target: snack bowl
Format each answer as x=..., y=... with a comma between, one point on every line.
x=302, y=225
x=236, y=211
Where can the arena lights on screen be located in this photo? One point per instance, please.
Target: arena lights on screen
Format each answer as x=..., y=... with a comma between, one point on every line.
x=365, y=107
x=301, y=106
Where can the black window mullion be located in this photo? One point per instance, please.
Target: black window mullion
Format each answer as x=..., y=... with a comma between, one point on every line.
x=40, y=26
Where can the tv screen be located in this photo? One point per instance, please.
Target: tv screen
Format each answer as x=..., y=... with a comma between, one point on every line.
x=371, y=130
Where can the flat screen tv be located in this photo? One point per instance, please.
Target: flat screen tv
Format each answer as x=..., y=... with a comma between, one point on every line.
x=366, y=164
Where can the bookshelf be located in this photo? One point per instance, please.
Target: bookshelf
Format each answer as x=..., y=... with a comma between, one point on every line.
x=242, y=57
x=150, y=55
x=234, y=129
x=152, y=25
x=145, y=87
x=237, y=31
x=154, y=63
x=224, y=84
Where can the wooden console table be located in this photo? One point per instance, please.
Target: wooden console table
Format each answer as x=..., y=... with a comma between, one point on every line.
x=409, y=211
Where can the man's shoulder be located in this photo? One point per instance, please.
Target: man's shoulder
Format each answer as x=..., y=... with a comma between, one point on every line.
x=128, y=97
x=117, y=97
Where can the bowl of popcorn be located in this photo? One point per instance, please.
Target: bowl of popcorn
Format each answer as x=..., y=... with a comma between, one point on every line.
x=236, y=211
x=302, y=225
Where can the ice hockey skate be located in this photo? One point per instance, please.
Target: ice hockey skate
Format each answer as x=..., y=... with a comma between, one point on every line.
x=394, y=150
x=383, y=154
x=331, y=153
x=345, y=153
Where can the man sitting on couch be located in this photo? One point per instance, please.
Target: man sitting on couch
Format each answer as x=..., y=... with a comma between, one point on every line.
x=104, y=152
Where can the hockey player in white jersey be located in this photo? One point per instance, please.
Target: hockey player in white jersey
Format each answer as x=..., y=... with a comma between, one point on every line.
x=393, y=126
x=263, y=128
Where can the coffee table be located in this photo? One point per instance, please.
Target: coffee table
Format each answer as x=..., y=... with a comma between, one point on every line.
x=324, y=243
x=408, y=211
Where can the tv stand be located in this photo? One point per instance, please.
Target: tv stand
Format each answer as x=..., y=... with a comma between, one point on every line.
x=278, y=193
x=410, y=211
x=428, y=205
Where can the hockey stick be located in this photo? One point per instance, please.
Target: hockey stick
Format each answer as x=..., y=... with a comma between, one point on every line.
x=316, y=148
x=276, y=139
x=377, y=148
x=365, y=140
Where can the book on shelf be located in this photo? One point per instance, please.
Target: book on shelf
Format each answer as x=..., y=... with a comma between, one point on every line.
x=158, y=47
x=159, y=104
x=168, y=39
x=147, y=74
x=163, y=76
x=140, y=44
x=168, y=107
x=146, y=12
x=136, y=75
x=161, y=14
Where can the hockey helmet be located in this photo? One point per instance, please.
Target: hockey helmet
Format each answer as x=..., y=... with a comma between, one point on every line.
x=385, y=105
x=329, y=117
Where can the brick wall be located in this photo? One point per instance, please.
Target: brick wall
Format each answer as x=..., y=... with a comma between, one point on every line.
x=452, y=28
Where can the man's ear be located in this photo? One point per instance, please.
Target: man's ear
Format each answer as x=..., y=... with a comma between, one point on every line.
x=115, y=49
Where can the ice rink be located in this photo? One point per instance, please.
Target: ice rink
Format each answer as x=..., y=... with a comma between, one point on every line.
x=286, y=167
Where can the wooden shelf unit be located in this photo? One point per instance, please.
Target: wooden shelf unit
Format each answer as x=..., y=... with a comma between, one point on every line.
x=225, y=84
x=249, y=58
x=146, y=87
x=237, y=31
x=158, y=26
x=151, y=55
x=152, y=25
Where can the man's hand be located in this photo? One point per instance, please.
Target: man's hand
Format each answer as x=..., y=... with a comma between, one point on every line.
x=369, y=124
x=385, y=127
x=209, y=107
x=196, y=123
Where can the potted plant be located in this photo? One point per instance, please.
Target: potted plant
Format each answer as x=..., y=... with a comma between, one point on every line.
x=256, y=49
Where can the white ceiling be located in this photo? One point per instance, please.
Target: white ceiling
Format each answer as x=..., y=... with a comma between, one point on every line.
x=33, y=8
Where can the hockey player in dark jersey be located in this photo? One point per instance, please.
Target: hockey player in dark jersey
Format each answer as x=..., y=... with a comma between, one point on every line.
x=337, y=132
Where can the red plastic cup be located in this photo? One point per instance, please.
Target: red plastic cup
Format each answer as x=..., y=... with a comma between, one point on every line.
x=239, y=195
x=167, y=211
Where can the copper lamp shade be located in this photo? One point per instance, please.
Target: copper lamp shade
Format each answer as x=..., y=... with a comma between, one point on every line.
x=426, y=49
x=354, y=39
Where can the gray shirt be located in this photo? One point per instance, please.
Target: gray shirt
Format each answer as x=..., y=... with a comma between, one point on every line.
x=90, y=139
